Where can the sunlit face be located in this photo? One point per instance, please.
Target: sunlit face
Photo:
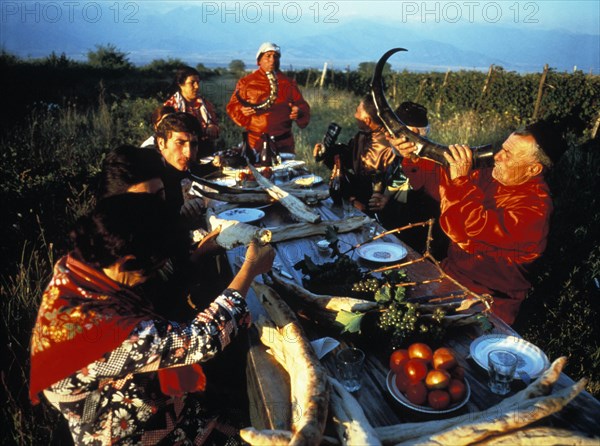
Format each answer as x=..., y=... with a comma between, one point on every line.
x=516, y=163
x=179, y=150
x=154, y=186
x=361, y=117
x=269, y=61
x=190, y=88
x=130, y=272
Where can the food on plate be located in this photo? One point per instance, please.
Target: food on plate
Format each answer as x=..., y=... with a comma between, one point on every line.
x=506, y=417
x=397, y=360
x=421, y=351
x=427, y=377
x=415, y=369
x=296, y=206
x=438, y=399
x=457, y=390
x=437, y=379
x=417, y=393
x=444, y=358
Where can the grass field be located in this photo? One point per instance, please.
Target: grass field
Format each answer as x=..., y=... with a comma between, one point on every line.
x=49, y=164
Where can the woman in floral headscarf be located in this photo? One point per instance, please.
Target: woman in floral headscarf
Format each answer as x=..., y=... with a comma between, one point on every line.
x=116, y=370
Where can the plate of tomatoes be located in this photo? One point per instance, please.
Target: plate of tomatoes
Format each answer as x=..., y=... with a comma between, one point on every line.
x=427, y=381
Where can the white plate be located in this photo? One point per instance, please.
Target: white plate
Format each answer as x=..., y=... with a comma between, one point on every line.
x=399, y=396
x=382, y=252
x=206, y=160
x=307, y=180
x=531, y=360
x=224, y=181
x=243, y=215
x=291, y=164
x=287, y=156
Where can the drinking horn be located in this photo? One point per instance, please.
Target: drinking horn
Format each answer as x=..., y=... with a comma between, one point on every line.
x=483, y=156
x=267, y=102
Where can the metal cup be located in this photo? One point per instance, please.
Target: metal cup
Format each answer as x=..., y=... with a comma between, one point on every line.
x=502, y=365
x=349, y=363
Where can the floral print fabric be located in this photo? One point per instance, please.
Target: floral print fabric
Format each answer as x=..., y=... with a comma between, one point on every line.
x=117, y=399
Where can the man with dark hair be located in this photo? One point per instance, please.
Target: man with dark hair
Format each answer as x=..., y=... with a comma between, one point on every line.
x=177, y=141
x=268, y=102
x=497, y=219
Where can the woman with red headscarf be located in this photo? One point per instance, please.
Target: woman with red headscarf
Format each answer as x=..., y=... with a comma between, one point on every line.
x=100, y=354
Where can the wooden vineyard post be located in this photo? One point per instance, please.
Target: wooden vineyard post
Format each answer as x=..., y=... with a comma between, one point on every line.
x=438, y=104
x=323, y=74
x=348, y=77
x=308, y=78
x=421, y=88
x=596, y=126
x=486, y=86
x=540, y=93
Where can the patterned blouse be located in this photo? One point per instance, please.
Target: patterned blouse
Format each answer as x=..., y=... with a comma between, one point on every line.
x=118, y=400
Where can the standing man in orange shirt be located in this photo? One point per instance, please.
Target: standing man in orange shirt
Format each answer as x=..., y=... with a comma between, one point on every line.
x=267, y=102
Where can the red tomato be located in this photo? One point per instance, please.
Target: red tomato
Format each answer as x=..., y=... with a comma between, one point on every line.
x=397, y=360
x=417, y=393
x=457, y=372
x=457, y=390
x=402, y=382
x=438, y=399
x=415, y=369
x=444, y=358
x=421, y=351
x=437, y=379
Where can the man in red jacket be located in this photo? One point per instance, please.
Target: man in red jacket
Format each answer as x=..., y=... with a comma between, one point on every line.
x=267, y=101
x=497, y=219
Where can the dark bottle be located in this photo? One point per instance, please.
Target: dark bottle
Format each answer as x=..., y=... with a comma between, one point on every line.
x=329, y=141
x=335, y=182
x=266, y=155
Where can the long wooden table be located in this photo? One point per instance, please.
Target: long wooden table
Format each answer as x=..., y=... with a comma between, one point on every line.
x=268, y=384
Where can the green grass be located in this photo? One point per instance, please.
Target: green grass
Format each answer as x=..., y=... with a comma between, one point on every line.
x=50, y=160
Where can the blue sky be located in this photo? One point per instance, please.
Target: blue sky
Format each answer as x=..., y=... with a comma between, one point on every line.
x=578, y=16
x=518, y=34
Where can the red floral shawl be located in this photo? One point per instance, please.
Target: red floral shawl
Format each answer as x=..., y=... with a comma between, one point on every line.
x=83, y=315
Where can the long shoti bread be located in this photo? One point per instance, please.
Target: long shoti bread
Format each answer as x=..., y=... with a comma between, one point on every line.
x=319, y=194
x=308, y=379
x=300, y=210
x=351, y=423
x=233, y=233
x=511, y=419
x=329, y=303
x=301, y=230
x=541, y=436
x=407, y=431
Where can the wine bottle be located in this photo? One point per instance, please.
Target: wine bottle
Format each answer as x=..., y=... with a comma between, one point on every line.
x=335, y=182
x=266, y=155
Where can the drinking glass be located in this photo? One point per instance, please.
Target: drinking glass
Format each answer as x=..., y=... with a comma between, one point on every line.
x=349, y=363
x=502, y=365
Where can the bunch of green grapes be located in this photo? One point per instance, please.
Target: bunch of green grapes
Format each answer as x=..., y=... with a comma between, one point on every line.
x=369, y=285
x=402, y=320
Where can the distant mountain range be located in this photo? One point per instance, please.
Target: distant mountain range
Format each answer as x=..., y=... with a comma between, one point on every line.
x=183, y=33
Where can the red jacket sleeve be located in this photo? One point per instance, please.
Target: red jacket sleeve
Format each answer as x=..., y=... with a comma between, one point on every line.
x=513, y=219
x=234, y=108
